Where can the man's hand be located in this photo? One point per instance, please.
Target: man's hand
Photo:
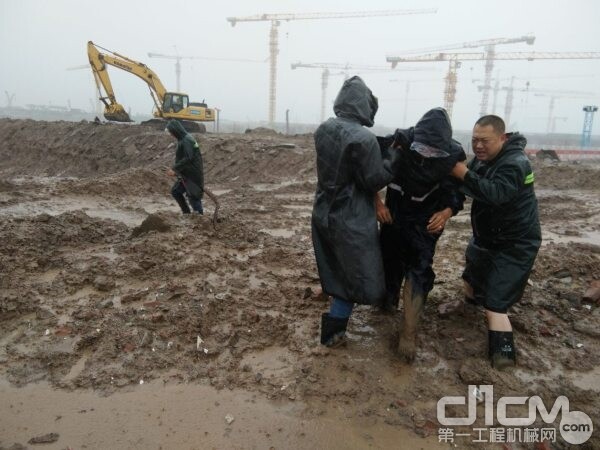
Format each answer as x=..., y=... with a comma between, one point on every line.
x=171, y=172
x=382, y=212
x=459, y=170
x=438, y=220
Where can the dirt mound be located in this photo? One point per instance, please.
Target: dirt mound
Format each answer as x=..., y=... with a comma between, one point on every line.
x=140, y=181
x=151, y=223
x=567, y=176
x=88, y=149
x=262, y=131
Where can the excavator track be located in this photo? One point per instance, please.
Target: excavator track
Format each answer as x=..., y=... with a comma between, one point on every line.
x=190, y=127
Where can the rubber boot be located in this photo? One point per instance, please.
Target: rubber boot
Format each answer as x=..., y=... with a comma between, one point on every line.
x=333, y=330
x=413, y=305
x=501, y=349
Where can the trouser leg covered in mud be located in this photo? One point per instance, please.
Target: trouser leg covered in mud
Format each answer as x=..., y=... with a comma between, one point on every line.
x=408, y=251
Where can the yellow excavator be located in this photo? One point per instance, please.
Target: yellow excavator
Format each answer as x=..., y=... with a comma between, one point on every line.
x=167, y=105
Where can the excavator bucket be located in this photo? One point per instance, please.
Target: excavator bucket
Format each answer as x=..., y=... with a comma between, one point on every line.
x=116, y=113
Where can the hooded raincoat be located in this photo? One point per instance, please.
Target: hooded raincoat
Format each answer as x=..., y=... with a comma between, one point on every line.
x=188, y=160
x=351, y=168
x=506, y=226
x=421, y=187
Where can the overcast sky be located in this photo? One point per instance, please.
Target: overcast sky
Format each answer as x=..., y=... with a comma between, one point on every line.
x=40, y=39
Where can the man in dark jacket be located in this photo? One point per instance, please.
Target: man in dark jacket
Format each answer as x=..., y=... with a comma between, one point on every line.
x=506, y=229
x=418, y=203
x=351, y=168
x=188, y=168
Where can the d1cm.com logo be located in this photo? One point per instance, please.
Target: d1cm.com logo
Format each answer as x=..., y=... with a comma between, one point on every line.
x=575, y=427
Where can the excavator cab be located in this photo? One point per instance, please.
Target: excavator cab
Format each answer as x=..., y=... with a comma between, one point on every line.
x=175, y=102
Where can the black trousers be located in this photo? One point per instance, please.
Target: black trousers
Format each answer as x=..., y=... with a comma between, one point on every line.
x=407, y=250
x=178, y=190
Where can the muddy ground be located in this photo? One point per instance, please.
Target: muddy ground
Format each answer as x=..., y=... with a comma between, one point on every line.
x=106, y=290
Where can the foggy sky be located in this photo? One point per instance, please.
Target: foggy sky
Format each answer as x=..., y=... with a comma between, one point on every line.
x=40, y=39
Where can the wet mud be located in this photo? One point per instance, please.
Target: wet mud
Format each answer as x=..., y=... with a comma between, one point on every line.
x=105, y=285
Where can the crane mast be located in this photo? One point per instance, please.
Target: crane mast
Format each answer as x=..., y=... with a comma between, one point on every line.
x=276, y=19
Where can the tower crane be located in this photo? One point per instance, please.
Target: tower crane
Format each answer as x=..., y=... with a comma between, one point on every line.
x=497, y=81
x=344, y=68
x=559, y=94
x=552, y=93
x=9, y=98
x=178, y=59
x=276, y=19
x=455, y=60
x=554, y=120
x=489, y=46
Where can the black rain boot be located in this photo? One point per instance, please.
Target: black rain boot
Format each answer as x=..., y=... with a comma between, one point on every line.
x=333, y=330
x=501, y=349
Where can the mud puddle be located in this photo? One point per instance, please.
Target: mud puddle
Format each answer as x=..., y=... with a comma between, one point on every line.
x=168, y=415
x=92, y=207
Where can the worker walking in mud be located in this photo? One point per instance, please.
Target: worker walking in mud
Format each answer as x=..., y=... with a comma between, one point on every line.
x=506, y=229
x=188, y=169
x=418, y=204
x=351, y=168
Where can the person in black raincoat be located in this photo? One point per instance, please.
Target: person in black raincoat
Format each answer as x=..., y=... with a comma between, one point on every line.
x=188, y=169
x=351, y=168
x=420, y=200
x=506, y=229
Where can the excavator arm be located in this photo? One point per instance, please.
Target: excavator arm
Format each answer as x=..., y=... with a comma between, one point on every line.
x=98, y=60
x=168, y=105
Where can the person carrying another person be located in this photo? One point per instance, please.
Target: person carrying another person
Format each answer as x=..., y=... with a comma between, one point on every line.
x=506, y=229
x=188, y=169
x=351, y=168
x=418, y=204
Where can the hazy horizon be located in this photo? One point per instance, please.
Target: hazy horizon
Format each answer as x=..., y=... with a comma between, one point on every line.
x=39, y=40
